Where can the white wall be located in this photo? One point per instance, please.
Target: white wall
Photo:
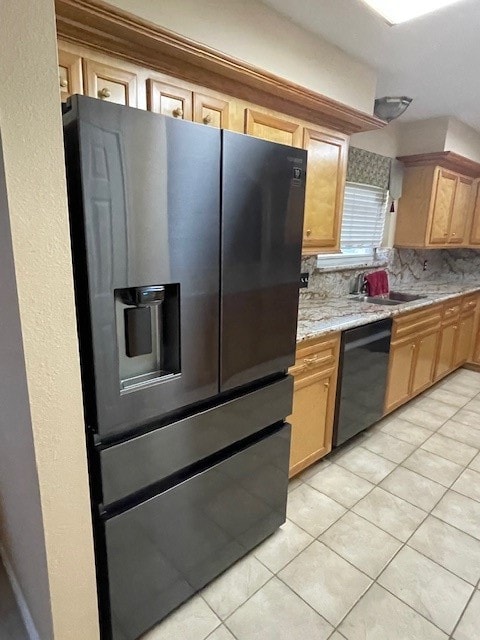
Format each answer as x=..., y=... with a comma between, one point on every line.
x=382, y=141
x=255, y=33
x=41, y=422
x=463, y=140
x=423, y=136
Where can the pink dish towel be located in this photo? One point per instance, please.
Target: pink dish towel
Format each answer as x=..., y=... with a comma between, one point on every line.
x=377, y=283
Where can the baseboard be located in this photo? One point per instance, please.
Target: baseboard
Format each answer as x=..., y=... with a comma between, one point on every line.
x=19, y=597
x=471, y=366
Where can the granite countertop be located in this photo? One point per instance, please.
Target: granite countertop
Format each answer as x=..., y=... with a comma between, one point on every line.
x=318, y=316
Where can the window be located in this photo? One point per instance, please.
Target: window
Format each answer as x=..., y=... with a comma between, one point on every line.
x=363, y=222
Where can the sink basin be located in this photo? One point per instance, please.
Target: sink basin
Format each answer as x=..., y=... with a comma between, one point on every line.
x=403, y=297
x=392, y=298
x=375, y=300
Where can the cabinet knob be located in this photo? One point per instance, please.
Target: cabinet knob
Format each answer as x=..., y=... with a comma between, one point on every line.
x=308, y=232
x=177, y=112
x=326, y=384
x=207, y=119
x=63, y=83
x=455, y=327
x=104, y=93
x=412, y=347
x=454, y=234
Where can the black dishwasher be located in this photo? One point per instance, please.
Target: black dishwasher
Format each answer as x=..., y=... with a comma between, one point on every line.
x=362, y=379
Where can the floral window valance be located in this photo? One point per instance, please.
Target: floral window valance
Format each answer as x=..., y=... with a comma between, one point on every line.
x=365, y=167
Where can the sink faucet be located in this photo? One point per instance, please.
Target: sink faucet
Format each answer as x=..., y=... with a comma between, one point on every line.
x=358, y=284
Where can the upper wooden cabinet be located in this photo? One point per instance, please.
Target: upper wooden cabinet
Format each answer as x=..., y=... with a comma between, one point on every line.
x=326, y=171
x=211, y=111
x=109, y=83
x=475, y=226
x=435, y=208
x=169, y=100
x=69, y=74
x=271, y=127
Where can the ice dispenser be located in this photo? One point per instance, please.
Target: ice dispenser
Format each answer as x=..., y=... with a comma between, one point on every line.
x=148, y=334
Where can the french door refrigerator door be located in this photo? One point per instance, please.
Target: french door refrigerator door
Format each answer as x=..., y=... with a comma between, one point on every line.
x=144, y=194
x=262, y=221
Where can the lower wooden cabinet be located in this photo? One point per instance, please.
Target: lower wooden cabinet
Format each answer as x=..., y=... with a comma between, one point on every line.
x=399, y=374
x=464, y=339
x=413, y=355
x=315, y=375
x=446, y=350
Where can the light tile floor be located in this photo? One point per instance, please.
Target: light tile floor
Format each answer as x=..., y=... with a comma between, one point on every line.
x=382, y=540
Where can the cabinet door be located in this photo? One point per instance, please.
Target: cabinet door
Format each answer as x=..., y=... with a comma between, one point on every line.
x=270, y=127
x=464, y=341
x=69, y=74
x=425, y=357
x=211, y=111
x=169, y=100
x=475, y=228
x=442, y=206
x=326, y=171
x=312, y=419
x=460, y=211
x=112, y=84
x=399, y=373
x=448, y=338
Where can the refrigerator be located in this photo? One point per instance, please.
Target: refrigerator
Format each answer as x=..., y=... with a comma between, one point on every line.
x=186, y=243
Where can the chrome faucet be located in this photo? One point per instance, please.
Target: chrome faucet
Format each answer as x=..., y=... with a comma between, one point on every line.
x=358, y=284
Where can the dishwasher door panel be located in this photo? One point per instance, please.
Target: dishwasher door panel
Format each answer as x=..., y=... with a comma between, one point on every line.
x=363, y=379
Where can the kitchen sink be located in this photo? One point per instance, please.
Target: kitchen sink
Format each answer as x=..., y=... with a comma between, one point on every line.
x=391, y=298
x=403, y=297
x=375, y=300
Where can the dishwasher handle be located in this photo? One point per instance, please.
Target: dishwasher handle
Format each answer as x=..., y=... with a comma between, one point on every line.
x=362, y=342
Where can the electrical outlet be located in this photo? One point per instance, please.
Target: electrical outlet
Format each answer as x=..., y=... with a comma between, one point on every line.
x=304, y=280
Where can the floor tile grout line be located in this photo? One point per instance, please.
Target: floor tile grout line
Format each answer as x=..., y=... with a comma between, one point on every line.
x=465, y=608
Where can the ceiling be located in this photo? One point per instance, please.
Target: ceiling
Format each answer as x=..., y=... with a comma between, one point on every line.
x=434, y=59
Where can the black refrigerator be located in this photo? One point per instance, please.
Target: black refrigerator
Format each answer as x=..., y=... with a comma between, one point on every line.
x=186, y=243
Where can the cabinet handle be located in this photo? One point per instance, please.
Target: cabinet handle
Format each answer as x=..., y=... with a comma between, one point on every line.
x=104, y=93
x=472, y=304
x=313, y=360
x=207, y=119
x=63, y=82
x=308, y=232
x=178, y=112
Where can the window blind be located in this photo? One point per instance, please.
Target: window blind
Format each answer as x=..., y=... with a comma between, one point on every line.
x=364, y=211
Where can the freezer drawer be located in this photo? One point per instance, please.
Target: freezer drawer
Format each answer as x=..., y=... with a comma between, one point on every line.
x=165, y=549
x=133, y=465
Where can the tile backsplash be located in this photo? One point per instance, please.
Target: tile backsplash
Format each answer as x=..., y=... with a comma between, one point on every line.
x=404, y=266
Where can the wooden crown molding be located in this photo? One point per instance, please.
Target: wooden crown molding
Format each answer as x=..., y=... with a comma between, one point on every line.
x=100, y=26
x=446, y=160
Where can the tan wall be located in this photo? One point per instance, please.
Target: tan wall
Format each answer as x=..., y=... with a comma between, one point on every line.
x=253, y=32
x=30, y=126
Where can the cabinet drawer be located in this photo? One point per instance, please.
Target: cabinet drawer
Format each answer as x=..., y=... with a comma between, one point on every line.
x=415, y=322
x=314, y=355
x=451, y=309
x=469, y=302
